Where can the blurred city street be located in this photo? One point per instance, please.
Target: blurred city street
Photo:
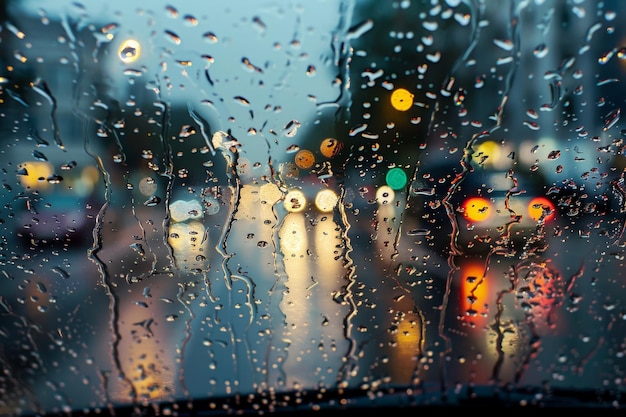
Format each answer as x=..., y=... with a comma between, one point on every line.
x=421, y=199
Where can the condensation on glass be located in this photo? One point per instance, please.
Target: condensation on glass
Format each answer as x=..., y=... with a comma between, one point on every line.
x=309, y=203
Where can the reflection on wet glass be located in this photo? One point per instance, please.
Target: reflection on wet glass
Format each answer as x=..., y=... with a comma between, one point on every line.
x=328, y=203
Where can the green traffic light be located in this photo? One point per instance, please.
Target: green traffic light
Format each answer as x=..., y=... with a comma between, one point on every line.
x=396, y=178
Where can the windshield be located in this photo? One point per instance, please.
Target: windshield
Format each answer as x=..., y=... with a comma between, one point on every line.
x=241, y=206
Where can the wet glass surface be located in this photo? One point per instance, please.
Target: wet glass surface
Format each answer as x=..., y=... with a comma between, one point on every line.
x=247, y=206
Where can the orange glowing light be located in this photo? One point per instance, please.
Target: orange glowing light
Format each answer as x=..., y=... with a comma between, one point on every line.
x=474, y=292
x=477, y=209
x=402, y=99
x=540, y=205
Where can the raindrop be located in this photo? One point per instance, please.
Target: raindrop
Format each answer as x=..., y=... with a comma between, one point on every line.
x=54, y=179
x=108, y=28
x=137, y=247
x=173, y=37
x=357, y=129
x=210, y=37
x=430, y=25
x=129, y=51
x=462, y=18
x=186, y=131
x=171, y=11
x=191, y=20
x=40, y=156
x=606, y=57
x=359, y=29
x=242, y=100
x=531, y=125
x=541, y=51
x=505, y=44
x=611, y=118
x=249, y=66
x=532, y=114
x=69, y=165
x=418, y=232
x=434, y=57
x=259, y=24
x=152, y=201
x=554, y=154
x=41, y=142
x=291, y=128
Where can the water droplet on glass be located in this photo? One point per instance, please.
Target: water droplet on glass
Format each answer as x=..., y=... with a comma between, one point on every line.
x=291, y=128
x=611, y=118
x=541, y=51
x=129, y=51
x=152, y=201
x=505, y=44
x=190, y=20
x=40, y=156
x=554, y=154
x=171, y=11
x=61, y=272
x=173, y=37
x=69, y=165
x=531, y=125
x=242, y=100
x=137, y=247
x=54, y=179
x=210, y=37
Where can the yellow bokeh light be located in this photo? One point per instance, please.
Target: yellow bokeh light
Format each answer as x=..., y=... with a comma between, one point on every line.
x=305, y=159
x=295, y=201
x=269, y=193
x=186, y=239
x=37, y=174
x=477, y=209
x=129, y=51
x=538, y=206
x=292, y=236
x=326, y=200
x=385, y=195
x=401, y=99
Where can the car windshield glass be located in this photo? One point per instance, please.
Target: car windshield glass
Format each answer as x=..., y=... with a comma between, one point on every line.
x=244, y=206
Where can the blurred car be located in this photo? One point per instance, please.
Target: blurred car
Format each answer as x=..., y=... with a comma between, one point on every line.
x=56, y=198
